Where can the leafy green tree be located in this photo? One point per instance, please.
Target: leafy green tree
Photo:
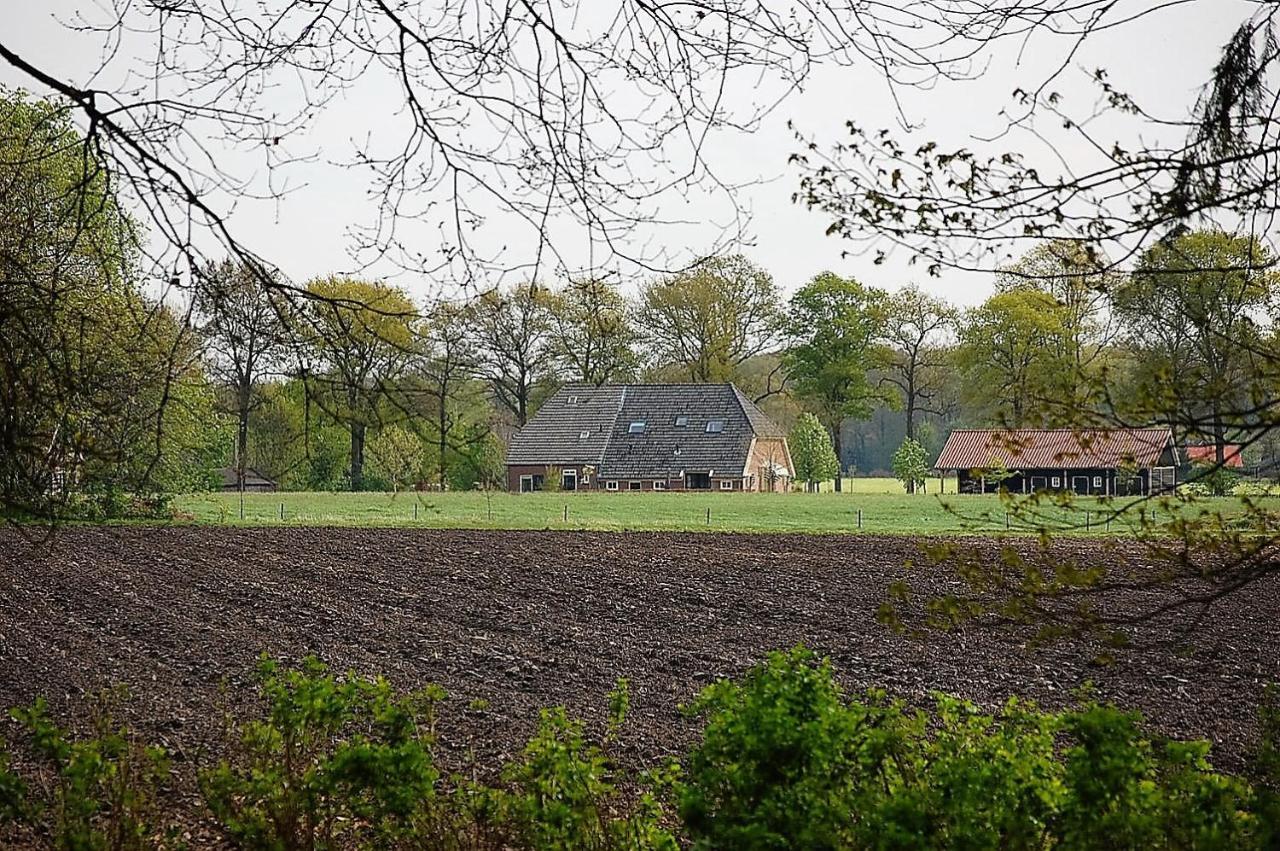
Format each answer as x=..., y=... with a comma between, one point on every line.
x=85, y=359
x=1192, y=312
x=395, y=454
x=360, y=336
x=915, y=331
x=811, y=452
x=833, y=324
x=708, y=321
x=1010, y=364
x=513, y=333
x=911, y=465
x=446, y=371
x=240, y=314
x=593, y=339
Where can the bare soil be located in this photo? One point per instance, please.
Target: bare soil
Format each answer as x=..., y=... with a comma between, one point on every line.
x=525, y=620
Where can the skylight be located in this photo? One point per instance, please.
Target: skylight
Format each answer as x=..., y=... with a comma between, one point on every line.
x=715, y=426
x=636, y=427
x=584, y=435
x=682, y=421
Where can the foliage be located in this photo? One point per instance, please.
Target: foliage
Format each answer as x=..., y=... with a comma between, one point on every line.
x=911, y=464
x=335, y=761
x=513, y=332
x=711, y=319
x=395, y=454
x=103, y=789
x=915, y=334
x=593, y=339
x=1011, y=366
x=786, y=761
x=360, y=336
x=811, y=452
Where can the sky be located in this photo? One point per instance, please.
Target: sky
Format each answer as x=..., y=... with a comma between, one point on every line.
x=1161, y=62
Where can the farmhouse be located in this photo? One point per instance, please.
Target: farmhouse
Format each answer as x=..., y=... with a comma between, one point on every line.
x=1086, y=461
x=649, y=437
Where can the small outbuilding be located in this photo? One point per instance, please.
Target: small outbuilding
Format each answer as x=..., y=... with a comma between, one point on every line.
x=1098, y=462
x=254, y=482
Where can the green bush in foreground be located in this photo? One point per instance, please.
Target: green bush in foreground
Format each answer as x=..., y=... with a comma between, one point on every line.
x=786, y=760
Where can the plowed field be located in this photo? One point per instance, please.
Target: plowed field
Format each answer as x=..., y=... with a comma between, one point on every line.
x=529, y=619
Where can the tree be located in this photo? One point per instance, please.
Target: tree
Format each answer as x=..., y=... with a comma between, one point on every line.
x=811, y=453
x=395, y=454
x=240, y=321
x=711, y=319
x=1081, y=281
x=361, y=337
x=447, y=369
x=911, y=465
x=592, y=337
x=915, y=331
x=1192, y=312
x=833, y=324
x=1008, y=358
x=87, y=363
x=513, y=331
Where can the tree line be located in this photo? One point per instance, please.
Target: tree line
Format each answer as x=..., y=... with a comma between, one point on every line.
x=341, y=383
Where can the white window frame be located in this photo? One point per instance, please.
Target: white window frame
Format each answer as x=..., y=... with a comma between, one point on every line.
x=726, y=484
x=523, y=479
x=1097, y=481
x=659, y=485
x=611, y=485
x=583, y=435
x=1057, y=482
x=565, y=475
x=572, y=400
x=586, y=478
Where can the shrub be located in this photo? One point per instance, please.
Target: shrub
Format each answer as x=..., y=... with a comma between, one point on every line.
x=336, y=761
x=97, y=792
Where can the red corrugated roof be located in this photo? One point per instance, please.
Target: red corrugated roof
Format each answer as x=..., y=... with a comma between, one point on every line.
x=1209, y=455
x=1032, y=448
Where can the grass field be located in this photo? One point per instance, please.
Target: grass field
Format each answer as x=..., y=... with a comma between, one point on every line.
x=882, y=513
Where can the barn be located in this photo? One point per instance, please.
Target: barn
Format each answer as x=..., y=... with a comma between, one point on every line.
x=649, y=437
x=1100, y=462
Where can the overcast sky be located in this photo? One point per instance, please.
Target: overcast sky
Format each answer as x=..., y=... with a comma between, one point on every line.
x=1161, y=62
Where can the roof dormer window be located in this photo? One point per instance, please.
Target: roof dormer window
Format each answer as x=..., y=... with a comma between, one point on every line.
x=572, y=400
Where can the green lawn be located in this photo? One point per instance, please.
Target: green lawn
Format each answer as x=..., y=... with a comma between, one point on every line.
x=796, y=512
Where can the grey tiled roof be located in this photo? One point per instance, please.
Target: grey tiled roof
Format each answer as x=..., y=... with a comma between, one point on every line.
x=663, y=448
x=555, y=434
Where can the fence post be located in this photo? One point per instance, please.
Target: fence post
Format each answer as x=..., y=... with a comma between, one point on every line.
x=708, y=515
x=415, y=510
x=1006, y=521
x=859, y=518
x=282, y=511
x=566, y=513
x=1086, y=520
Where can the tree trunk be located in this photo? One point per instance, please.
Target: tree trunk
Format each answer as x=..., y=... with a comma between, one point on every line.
x=441, y=427
x=838, y=439
x=357, y=455
x=242, y=433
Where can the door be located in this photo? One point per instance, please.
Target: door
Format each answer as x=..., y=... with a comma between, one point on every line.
x=1080, y=484
x=526, y=484
x=569, y=480
x=1039, y=483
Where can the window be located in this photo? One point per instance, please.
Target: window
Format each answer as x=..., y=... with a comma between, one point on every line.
x=1057, y=482
x=583, y=435
x=526, y=484
x=726, y=484
x=572, y=400
x=636, y=427
x=659, y=485
x=715, y=426
x=1097, y=481
x=634, y=486
x=586, y=479
x=682, y=421
x=611, y=486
